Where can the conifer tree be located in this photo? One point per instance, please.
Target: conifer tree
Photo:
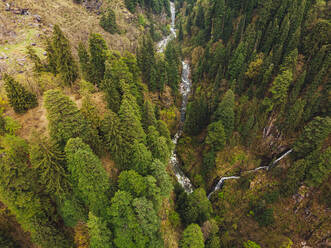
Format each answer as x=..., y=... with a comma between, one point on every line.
x=65, y=64
x=38, y=65
x=84, y=61
x=48, y=161
x=66, y=121
x=19, y=98
x=148, y=117
x=51, y=56
x=313, y=136
x=135, y=222
x=108, y=21
x=280, y=88
x=192, y=237
x=87, y=175
x=200, y=18
x=141, y=158
x=157, y=145
x=180, y=32
x=100, y=234
x=216, y=136
x=111, y=130
x=225, y=113
x=163, y=180
x=19, y=191
x=98, y=55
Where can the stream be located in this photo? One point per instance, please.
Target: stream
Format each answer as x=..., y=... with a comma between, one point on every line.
x=185, y=89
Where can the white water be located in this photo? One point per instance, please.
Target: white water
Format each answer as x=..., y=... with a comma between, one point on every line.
x=185, y=88
x=163, y=43
x=221, y=181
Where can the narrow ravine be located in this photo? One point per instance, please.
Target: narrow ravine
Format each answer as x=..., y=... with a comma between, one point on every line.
x=185, y=89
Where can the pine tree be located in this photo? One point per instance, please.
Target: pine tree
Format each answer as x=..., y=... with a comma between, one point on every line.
x=19, y=98
x=141, y=158
x=38, y=65
x=87, y=175
x=98, y=55
x=200, y=18
x=157, y=145
x=163, y=179
x=108, y=21
x=65, y=64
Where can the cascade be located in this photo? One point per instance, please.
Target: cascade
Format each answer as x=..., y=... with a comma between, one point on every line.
x=185, y=88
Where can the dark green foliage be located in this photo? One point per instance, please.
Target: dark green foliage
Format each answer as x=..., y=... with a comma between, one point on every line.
x=87, y=175
x=66, y=121
x=262, y=214
x=65, y=64
x=135, y=222
x=98, y=55
x=49, y=162
x=19, y=98
x=163, y=180
x=195, y=207
x=313, y=136
x=158, y=145
x=19, y=191
x=192, y=237
x=7, y=242
x=141, y=158
x=100, y=235
x=84, y=61
x=172, y=66
x=225, y=113
x=148, y=115
x=251, y=244
x=180, y=32
x=197, y=116
x=108, y=21
x=216, y=136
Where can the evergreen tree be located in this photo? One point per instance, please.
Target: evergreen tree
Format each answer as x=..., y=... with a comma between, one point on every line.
x=38, y=65
x=108, y=21
x=65, y=64
x=157, y=145
x=200, y=18
x=225, y=113
x=162, y=178
x=19, y=191
x=66, y=121
x=313, y=136
x=140, y=159
x=19, y=98
x=135, y=222
x=192, y=237
x=87, y=175
x=180, y=32
x=98, y=55
x=280, y=88
x=84, y=60
x=100, y=235
x=112, y=134
x=216, y=136
x=48, y=161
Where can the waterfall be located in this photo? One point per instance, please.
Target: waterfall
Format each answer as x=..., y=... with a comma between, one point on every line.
x=220, y=184
x=185, y=88
x=221, y=181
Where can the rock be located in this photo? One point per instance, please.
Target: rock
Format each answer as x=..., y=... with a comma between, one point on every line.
x=7, y=7
x=37, y=18
x=45, y=53
x=21, y=64
x=33, y=44
x=20, y=71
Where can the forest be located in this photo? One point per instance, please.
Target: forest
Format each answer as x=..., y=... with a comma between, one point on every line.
x=209, y=128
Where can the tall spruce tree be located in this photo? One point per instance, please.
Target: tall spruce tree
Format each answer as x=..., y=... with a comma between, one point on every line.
x=108, y=21
x=19, y=98
x=66, y=121
x=98, y=55
x=65, y=64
